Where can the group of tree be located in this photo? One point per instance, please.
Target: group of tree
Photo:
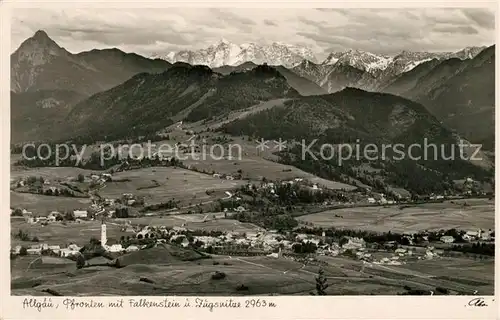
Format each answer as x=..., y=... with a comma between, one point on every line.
x=487, y=249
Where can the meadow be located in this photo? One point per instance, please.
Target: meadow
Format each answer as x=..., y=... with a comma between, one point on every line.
x=58, y=233
x=161, y=184
x=476, y=214
x=42, y=205
x=258, y=275
x=207, y=222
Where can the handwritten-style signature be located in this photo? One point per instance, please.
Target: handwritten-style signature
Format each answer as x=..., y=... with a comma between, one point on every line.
x=477, y=302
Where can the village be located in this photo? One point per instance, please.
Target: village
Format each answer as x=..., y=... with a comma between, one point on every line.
x=119, y=226
x=267, y=242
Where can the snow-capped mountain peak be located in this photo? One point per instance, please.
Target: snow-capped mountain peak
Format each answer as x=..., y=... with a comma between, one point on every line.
x=402, y=62
x=226, y=53
x=359, y=59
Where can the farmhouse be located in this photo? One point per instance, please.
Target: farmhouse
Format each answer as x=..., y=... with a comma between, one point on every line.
x=114, y=248
x=109, y=202
x=132, y=248
x=80, y=213
x=447, y=239
x=354, y=243
x=67, y=252
x=34, y=251
x=240, y=209
x=41, y=219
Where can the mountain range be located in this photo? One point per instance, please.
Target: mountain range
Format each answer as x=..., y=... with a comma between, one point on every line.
x=110, y=95
x=225, y=53
x=457, y=88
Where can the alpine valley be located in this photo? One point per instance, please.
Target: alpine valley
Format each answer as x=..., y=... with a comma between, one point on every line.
x=254, y=168
x=253, y=91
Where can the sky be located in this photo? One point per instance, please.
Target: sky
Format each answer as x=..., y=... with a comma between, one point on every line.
x=148, y=31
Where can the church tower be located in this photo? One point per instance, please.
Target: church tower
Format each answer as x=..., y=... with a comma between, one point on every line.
x=104, y=238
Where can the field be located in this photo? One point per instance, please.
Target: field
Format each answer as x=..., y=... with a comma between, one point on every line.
x=60, y=234
x=160, y=184
x=479, y=213
x=42, y=205
x=51, y=173
x=213, y=222
x=261, y=276
x=256, y=168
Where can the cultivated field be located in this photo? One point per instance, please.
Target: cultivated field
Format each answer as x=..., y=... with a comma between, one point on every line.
x=51, y=173
x=42, y=205
x=213, y=222
x=479, y=213
x=58, y=234
x=261, y=276
x=161, y=184
x=256, y=168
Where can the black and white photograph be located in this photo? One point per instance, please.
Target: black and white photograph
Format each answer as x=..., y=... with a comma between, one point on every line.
x=209, y=151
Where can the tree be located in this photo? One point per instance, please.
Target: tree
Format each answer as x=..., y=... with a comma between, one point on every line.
x=17, y=212
x=81, y=178
x=80, y=261
x=321, y=284
x=343, y=241
x=23, y=251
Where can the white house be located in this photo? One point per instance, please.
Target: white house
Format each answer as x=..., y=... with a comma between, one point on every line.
x=185, y=242
x=400, y=251
x=447, y=239
x=109, y=202
x=132, y=248
x=34, y=251
x=30, y=220
x=240, y=209
x=354, y=243
x=67, y=252
x=74, y=247
x=301, y=236
x=41, y=219
x=179, y=229
x=371, y=200
x=315, y=241
x=80, y=213
x=114, y=248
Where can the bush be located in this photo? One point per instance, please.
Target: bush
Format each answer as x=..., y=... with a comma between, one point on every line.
x=17, y=213
x=23, y=251
x=23, y=236
x=218, y=275
x=35, y=239
x=242, y=287
x=215, y=263
x=81, y=178
x=442, y=290
x=80, y=261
